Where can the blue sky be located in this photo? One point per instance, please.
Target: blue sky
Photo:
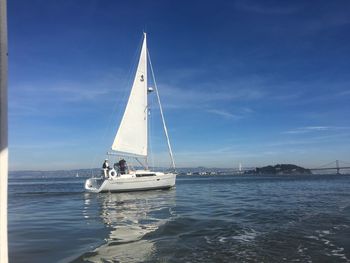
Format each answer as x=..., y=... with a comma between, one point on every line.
x=257, y=82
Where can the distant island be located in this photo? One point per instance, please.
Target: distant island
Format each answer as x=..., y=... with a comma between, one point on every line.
x=281, y=169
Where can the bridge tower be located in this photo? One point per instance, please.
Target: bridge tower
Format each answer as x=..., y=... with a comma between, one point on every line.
x=337, y=165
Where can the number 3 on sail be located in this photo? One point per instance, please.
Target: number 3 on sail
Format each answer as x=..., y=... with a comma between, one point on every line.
x=131, y=140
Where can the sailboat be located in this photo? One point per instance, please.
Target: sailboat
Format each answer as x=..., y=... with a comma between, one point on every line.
x=131, y=141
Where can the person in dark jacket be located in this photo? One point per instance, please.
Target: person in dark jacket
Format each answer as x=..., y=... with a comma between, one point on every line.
x=105, y=168
x=122, y=166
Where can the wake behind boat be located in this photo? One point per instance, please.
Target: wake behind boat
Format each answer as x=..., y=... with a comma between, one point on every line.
x=131, y=140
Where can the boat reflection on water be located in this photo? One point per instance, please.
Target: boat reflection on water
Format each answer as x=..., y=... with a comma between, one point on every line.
x=130, y=216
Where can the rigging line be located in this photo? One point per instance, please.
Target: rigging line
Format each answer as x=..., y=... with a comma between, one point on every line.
x=340, y=161
x=161, y=113
x=130, y=164
x=140, y=163
x=155, y=131
x=150, y=131
x=325, y=165
x=153, y=125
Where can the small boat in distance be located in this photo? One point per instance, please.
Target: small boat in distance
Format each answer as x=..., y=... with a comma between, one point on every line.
x=131, y=141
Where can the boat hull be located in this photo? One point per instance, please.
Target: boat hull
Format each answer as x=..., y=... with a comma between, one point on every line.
x=128, y=184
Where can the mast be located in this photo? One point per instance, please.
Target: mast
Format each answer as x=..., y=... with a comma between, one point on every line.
x=3, y=133
x=147, y=106
x=162, y=115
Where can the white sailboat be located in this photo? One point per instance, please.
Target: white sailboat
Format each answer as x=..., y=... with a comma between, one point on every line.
x=131, y=140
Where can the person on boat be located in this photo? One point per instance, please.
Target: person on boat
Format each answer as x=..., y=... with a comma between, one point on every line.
x=105, y=168
x=122, y=166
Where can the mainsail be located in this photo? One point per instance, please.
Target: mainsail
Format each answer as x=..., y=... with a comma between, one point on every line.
x=131, y=137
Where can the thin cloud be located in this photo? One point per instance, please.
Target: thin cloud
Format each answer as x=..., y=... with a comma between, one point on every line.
x=80, y=92
x=56, y=97
x=310, y=129
x=197, y=98
x=343, y=93
x=325, y=21
x=287, y=97
x=225, y=114
x=264, y=8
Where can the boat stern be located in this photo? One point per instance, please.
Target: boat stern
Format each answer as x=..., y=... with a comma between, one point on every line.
x=93, y=184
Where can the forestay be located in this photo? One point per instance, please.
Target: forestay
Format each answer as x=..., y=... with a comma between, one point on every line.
x=131, y=137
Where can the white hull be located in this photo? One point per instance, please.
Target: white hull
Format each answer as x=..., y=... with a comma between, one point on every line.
x=137, y=181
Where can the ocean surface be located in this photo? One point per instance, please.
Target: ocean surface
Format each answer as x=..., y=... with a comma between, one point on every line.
x=204, y=219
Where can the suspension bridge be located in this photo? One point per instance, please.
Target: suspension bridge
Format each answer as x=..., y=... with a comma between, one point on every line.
x=335, y=165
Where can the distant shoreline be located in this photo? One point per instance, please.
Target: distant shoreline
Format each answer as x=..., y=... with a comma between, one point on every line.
x=182, y=172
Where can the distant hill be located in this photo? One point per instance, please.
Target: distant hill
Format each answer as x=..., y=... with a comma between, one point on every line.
x=281, y=169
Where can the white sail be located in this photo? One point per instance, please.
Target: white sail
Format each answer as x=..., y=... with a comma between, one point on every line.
x=131, y=137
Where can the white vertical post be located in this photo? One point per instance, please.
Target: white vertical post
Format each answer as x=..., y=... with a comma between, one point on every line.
x=3, y=133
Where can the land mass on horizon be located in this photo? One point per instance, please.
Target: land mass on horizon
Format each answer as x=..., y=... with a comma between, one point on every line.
x=281, y=169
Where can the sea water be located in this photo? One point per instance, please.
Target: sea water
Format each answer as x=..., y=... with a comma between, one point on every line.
x=204, y=219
